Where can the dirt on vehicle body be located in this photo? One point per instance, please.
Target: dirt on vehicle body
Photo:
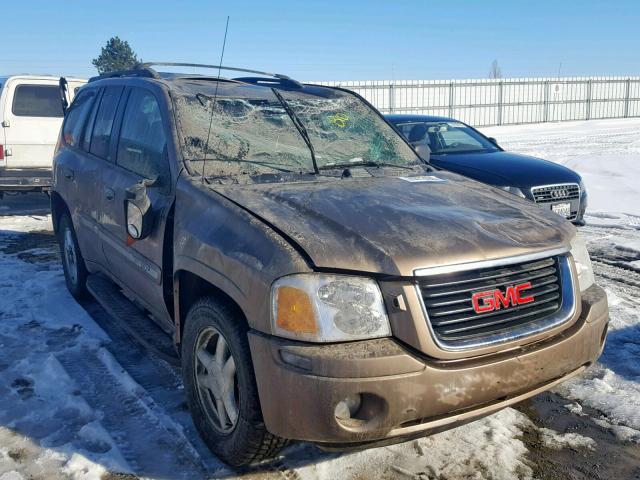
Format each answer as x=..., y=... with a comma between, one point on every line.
x=321, y=281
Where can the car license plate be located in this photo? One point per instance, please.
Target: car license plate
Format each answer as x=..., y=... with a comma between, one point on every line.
x=563, y=209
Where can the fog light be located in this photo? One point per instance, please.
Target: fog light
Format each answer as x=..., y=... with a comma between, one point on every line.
x=347, y=408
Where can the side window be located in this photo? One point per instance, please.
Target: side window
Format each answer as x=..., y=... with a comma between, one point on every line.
x=142, y=147
x=88, y=130
x=101, y=135
x=37, y=101
x=453, y=137
x=76, y=118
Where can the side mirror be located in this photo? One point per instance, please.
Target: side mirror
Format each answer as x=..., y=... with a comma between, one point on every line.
x=138, y=210
x=423, y=150
x=493, y=140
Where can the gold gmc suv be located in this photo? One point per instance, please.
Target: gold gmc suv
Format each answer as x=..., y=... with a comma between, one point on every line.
x=319, y=280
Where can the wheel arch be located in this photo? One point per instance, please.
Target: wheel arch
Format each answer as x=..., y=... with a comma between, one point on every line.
x=58, y=208
x=189, y=287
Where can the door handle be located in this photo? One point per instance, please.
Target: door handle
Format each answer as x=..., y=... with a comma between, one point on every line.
x=109, y=194
x=68, y=174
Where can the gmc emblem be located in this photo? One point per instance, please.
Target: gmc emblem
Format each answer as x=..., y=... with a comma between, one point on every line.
x=491, y=300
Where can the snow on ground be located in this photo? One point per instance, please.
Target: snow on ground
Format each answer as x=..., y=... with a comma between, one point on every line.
x=78, y=399
x=63, y=413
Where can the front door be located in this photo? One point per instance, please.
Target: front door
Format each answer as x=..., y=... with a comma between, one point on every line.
x=140, y=154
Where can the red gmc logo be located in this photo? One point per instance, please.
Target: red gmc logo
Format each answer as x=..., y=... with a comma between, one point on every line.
x=491, y=300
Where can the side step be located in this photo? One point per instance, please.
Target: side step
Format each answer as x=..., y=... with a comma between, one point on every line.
x=132, y=319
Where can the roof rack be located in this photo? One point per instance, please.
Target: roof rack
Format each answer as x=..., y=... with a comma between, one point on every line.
x=145, y=70
x=282, y=79
x=142, y=71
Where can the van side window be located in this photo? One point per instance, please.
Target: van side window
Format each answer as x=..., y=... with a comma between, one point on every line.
x=101, y=135
x=76, y=118
x=37, y=101
x=142, y=147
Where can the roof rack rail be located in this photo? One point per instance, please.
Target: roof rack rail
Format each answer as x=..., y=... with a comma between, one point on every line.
x=279, y=76
x=141, y=71
x=145, y=70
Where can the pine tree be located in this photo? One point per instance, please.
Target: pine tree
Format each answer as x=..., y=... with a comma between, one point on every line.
x=116, y=55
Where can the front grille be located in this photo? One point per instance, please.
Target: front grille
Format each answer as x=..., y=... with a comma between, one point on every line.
x=447, y=299
x=555, y=193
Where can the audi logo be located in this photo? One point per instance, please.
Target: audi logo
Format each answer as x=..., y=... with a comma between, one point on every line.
x=559, y=193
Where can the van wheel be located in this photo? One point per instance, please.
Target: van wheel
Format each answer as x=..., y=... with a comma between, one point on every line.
x=221, y=388
x=75, y=271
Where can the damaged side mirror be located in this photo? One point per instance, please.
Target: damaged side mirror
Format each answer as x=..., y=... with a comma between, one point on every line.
x=138, y=209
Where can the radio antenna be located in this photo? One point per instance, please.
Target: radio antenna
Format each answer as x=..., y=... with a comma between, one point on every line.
x=215, y=96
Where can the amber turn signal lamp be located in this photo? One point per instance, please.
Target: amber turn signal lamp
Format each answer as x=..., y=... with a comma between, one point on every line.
x=295, y=312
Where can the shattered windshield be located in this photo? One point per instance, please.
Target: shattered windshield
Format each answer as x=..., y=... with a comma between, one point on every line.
x=346, y=131
x=252, y=133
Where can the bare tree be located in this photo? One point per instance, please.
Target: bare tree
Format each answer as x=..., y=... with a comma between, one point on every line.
x=495, y=71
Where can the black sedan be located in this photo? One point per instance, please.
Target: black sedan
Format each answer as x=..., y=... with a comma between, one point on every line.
x=455, y=146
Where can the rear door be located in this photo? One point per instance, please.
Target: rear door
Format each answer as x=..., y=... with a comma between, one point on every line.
x=32, y=119
x=94, y=159
x=141, y=153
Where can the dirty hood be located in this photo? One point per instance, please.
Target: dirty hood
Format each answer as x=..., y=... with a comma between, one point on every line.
x=392, y=226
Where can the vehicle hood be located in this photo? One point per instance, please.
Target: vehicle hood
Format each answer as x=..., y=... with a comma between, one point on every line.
x=391, y=226
x=505, y=168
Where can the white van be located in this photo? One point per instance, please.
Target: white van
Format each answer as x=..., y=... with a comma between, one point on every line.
x=31, y=115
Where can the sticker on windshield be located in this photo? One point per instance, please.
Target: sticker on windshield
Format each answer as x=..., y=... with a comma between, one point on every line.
x=339, y=120
x=423, y=178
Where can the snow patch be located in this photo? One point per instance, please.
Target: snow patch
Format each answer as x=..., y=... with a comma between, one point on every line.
x=488, y=448
x=558, y=441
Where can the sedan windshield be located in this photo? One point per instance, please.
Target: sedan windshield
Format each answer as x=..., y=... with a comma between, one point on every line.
x=446, y=137
x=254, y=130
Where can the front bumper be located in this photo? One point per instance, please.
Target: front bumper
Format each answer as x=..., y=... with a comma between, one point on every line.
x=25, y=179
x=403, y=393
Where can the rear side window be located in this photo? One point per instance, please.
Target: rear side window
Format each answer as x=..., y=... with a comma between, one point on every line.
x=37, y=101
x=76, y=118
x=103, y=125
x=142, y=145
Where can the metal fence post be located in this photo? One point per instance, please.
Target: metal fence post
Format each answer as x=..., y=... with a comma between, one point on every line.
x=392, y=98
x=451, y=98
x=500, y=103
x=627, y=94
x=588, y=105
x=545, y=102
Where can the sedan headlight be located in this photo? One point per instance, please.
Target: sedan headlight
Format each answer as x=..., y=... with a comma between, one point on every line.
x=514, y=190
x=582, y=261
x=328, y=308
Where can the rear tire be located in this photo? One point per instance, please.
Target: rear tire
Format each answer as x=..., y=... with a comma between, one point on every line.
x=75, y=271
x=220, y=385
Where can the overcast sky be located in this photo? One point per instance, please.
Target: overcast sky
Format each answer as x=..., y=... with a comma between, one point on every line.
x=329, y=40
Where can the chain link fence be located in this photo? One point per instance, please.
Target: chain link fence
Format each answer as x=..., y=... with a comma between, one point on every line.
x=505, y=101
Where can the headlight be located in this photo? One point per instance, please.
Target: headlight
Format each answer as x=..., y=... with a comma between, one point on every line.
x=515, y=190
x=582, y=261
x=328, y=308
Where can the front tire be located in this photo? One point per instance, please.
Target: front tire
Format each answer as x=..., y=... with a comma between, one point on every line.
x=220, y=385
x=75, y=271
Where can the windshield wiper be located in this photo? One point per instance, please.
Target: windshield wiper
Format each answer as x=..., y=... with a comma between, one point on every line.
x=298, y=124
x=331, y=166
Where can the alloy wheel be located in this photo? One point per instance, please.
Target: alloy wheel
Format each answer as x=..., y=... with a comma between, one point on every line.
x=216, y=379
